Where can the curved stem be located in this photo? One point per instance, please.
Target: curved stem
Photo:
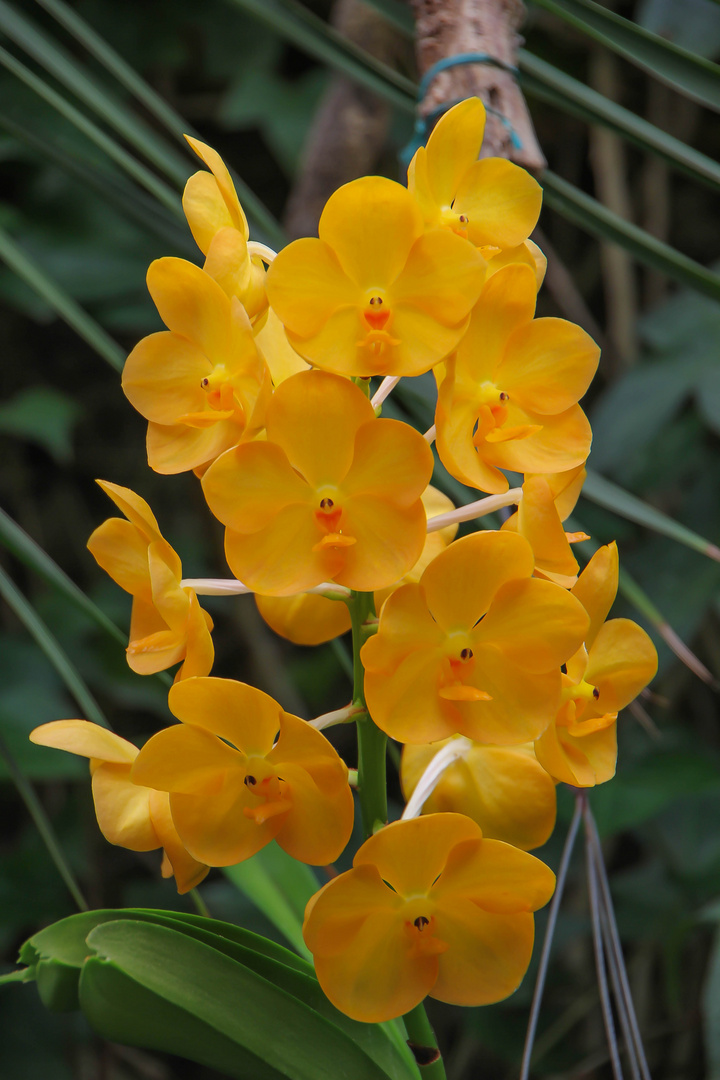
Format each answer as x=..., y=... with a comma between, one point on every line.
x=600, y=962
x=422, y=1042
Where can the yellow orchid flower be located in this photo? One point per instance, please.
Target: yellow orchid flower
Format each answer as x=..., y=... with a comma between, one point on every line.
x=616, y=662
x=167, y=623
x=491, y=202
x=375, y=294
x=219, y=226
x=133, y=817
x=508, y=396
x=201, y=384
x=241, y=772
x=309, y=619
x=546, y=502
x=333, y=494
x=474, y=648
x=503, y=789
x=429, y=907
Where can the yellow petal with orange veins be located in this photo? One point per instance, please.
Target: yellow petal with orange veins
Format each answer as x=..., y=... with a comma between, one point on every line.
x=122, y=809
x=216, y=830
x=521, y=704
x=188, y=872
x=506, y=303
x=487, y=954
x=495, y=876
x=460, y=692
x=276, y=350
x=621, y=662
x=121, y=550
x=597, y=586
x=218, y=168
x=406, y=705
x=378, y=980
x=562, y=443
x=162, y=376
x=318, y=826
x=187, y=759
x=233, y=711
x=280, y=559
x=306, y=619
x=176, y=448
x=321, y=451
x=199, y=649
x=191, y=304
x=205, y=209
x=133, y=507
x=371, y=224
x=410, y=854
x=248, y=486
x=453, y=147
x=148, y=655
x=443, y=277
x=535, y=624
x=548, y=365
x=306, y=284
x=390, y=540
x=86, y=739
x=462, y=581
x=501, y=202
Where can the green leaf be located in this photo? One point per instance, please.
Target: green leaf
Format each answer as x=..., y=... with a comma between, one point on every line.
x=689, y=74
x=621, y=502
x=294, y=22
x=42, y=416
x=639, y=793
x=113, y=63
x=549, y=84
x=52, y=649
x=263, y=1022
x=593, y=217
x=280, y=887
x=82, y=323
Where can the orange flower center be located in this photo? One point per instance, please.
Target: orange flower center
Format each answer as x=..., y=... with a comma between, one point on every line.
x=460, y=666
x=581, y=694
x=219, y=390
x=421, y=937
x=328, y=516
x=457, y=223
x=272, y=795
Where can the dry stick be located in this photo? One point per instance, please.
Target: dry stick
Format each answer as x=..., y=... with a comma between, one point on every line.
x=549, y=935
x=616, y=945
x=489, y=27
x=600, y=954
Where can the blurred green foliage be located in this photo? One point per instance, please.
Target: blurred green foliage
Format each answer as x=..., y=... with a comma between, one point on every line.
x=64, y=421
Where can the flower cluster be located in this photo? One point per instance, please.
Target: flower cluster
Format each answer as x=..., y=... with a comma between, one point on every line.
x=487, y=656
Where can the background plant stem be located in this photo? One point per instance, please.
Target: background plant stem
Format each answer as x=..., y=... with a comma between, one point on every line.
x=372, y=781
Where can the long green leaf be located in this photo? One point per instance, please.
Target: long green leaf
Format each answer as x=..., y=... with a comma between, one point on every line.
x=112, y=187
x=267, y=1025
x=61, y=303
x=52, y=649
x=608, y=495
x=593, y=217
x=691, y=75
x=280, y=887
x=297, y=24
x=42, y=823
x=551, y=85
x=24, y=548
x=156, y=106
x=68, y=71
x=158, y=188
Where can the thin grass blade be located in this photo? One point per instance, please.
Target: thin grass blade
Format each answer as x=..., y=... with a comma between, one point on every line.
x=64, y=306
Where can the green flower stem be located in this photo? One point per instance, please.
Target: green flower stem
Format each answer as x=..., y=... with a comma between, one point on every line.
x=422, y=1042
x=372, y=782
